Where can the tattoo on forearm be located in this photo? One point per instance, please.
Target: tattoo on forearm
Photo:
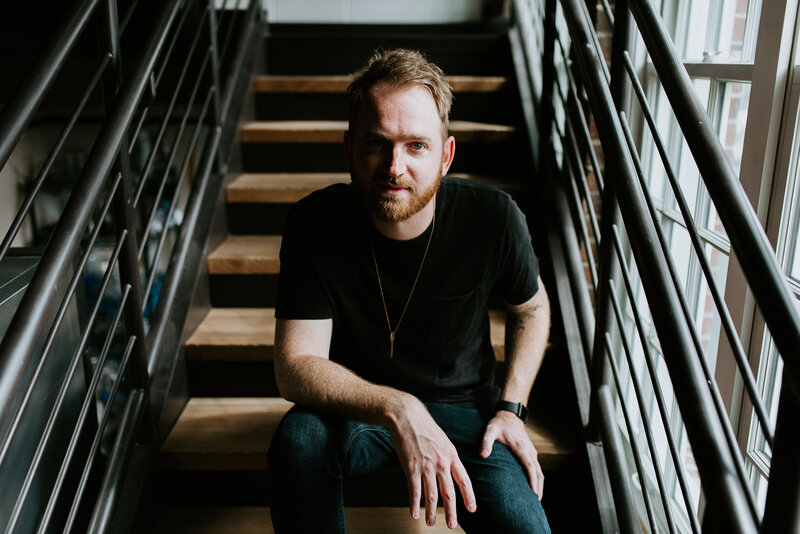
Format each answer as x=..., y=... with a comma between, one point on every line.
x=519, y=320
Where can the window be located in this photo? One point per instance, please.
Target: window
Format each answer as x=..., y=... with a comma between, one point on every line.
x=737, y=73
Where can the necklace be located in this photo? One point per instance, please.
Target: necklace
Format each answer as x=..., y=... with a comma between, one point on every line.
x=393, y=332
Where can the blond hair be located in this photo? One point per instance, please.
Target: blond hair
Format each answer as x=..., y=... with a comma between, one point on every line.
x=400, y=67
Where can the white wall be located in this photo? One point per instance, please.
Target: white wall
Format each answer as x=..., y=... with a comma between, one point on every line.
x=373, y=11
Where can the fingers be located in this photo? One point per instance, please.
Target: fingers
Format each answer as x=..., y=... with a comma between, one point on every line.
x=465, y=486
x=448, y=499
x=526, y=452
x=535, y=476
x=431, y=495
x=489, y=438
x=414, y=489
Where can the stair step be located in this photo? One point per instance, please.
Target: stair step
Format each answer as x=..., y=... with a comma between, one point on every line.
x=287, y=187
x=233, y=434
x=339, y=83
x=256, y=520
x=280, y=187
x=248, y=334
x=333, y=132
x=233, y=334
x=246, y=254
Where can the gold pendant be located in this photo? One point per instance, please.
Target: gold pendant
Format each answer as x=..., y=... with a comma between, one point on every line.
x=391, y=345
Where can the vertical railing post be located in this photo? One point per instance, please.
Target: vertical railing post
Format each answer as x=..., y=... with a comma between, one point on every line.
x=215, y=62
x=601, y=423
x=124, y=215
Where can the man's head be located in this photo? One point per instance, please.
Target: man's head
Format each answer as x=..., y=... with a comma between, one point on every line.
x=397, y=143
x=400, y=67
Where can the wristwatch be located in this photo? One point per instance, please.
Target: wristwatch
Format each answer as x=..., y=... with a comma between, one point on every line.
x=517, y=408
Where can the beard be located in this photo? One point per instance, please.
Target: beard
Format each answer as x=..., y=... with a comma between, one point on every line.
x=391, y=208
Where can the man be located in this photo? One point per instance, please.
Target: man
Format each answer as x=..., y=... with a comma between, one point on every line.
x=382, y=336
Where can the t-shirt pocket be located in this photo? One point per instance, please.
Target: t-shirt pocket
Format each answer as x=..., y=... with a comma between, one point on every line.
x=454, y=323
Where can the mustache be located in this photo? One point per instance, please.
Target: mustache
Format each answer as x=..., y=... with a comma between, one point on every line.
x=397, y=181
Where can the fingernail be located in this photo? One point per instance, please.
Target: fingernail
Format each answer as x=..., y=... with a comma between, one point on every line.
x=472, y=507
x=452, y=524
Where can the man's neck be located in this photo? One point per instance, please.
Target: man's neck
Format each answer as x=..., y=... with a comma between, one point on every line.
x=412, y=227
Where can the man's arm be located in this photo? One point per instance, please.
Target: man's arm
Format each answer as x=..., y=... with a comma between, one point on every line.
x=527, y=327
x=306, y=375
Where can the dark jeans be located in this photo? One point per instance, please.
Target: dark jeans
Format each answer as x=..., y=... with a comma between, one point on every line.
x=313, y=451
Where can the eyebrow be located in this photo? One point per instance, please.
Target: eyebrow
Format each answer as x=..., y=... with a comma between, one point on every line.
x=413, y=137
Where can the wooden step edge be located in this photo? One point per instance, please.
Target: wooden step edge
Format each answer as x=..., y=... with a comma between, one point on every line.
x=279, y=187
x=257, y=520
x=327, y=132
x=338, y=83
x=233, y=334
x=246, y=254
x=233, y=434
x=248, y=334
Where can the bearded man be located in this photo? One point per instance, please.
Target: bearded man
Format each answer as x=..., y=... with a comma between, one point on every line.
x=382, y=336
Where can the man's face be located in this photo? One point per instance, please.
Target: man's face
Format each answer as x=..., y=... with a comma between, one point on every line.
x=397, y=155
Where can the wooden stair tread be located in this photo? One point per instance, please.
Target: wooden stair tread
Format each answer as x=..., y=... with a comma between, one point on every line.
x=333, y=131
x=280, y=187
x=233, y=334
x=256, y=520
x=248, y=334
x=246, y=254
x=230, y=434
x=339, y=83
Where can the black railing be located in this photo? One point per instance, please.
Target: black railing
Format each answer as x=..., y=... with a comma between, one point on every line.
x=79, y=356
x=613, y=245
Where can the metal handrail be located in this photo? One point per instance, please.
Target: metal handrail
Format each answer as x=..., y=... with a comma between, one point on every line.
x=107, y=178
x=22, y=105
x=741, y=223
x=604, y=94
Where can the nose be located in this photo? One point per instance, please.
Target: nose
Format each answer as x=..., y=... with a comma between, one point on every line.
x=397, y=164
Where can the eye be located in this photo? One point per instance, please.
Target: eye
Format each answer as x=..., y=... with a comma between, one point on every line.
x=373, y=143
x=417, y=146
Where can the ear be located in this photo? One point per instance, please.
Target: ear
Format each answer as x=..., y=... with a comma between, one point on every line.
x=448, y=153
x=348, y=153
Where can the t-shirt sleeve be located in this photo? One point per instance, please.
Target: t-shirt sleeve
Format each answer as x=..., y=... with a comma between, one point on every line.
x=300, y=291
x=518, y=273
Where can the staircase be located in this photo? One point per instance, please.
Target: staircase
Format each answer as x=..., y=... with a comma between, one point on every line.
x=213, y=463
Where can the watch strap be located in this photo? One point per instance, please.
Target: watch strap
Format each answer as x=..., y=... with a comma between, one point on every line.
x=517, y=408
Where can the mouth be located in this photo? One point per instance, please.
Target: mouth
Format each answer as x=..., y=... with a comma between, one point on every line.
x=390, y=188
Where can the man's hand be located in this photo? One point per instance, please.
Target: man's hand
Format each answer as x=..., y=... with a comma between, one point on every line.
x=431, y=464
x=508, y=429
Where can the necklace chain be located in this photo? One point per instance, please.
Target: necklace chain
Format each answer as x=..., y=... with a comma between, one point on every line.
x=393, y=331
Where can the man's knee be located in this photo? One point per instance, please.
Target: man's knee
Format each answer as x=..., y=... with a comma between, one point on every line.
x=506, y=501
x=301, y=439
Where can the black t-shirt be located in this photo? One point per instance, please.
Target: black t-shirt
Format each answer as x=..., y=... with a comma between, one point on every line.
x=442, y=349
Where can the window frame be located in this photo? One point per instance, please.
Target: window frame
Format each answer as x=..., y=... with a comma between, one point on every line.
x=769, y=163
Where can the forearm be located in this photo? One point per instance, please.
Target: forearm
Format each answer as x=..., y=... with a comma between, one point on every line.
x=305, y=375
x=321, y=383
x=527, y=329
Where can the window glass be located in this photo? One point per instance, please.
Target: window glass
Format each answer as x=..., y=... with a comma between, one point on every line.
x=717, y=30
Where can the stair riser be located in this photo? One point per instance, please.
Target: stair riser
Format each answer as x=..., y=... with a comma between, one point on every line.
x=496, y=108
x=232, y=379
x=485, y=55
x=257, y=218
x=244, y=379
x=505, y=159
x=243, y=291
